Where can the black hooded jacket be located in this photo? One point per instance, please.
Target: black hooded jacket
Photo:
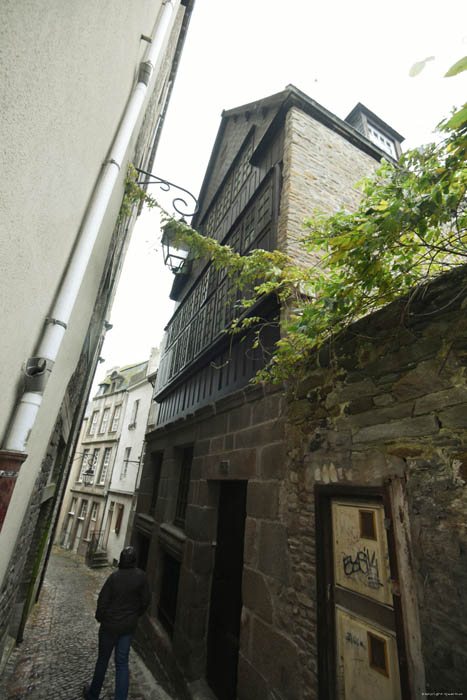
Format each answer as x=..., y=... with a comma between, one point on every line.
x=123, y=598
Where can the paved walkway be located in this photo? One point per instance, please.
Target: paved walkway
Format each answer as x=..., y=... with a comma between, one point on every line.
x=60, y=642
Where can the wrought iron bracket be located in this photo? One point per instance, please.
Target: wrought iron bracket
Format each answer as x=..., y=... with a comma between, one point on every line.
x=166, y=186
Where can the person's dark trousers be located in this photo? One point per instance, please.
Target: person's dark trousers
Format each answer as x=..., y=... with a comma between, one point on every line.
x=107, y=642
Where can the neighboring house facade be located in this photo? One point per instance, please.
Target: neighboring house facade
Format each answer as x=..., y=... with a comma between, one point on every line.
x=91, y=100
x=121, y=492
x=101, y=463
x=233, y=610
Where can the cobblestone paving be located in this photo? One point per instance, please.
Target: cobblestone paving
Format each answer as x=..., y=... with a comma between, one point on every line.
x=60, y=643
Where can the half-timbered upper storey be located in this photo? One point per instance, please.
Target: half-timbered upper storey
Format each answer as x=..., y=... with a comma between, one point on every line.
x=273, y=162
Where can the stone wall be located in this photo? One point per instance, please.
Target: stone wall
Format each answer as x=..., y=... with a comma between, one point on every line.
x=321, y=169
x=389, y=401
x=240, y=437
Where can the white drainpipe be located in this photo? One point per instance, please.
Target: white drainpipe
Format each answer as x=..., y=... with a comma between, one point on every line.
x=39, y=368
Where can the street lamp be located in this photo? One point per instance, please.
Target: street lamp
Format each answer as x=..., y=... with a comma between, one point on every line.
x=176, y=252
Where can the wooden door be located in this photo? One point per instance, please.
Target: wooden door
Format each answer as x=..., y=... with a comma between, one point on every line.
x=360, y=626
x=366, y=647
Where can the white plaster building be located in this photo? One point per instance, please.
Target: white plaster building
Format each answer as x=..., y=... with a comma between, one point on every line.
x=85, y=88
x=105, y=464
x=125, y=472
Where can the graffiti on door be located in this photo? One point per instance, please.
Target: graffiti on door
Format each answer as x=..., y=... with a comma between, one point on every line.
x=365, y=563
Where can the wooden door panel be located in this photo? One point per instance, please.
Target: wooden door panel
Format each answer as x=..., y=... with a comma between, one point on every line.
x=361, y=558
x=367, y=664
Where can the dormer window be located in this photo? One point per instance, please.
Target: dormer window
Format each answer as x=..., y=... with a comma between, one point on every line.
x=381, y=140
x=375, y=130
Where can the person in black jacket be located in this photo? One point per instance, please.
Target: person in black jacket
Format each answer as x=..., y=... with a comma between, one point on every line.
x=124, y=597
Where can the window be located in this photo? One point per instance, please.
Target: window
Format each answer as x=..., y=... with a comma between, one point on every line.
x=367, y=524
x=84, y=510
x=72, y=506
x=382, y=141
x=134, y=413
x=378, y=653
x=118, y=522
x=105, y=465
x=183, y=486
x=93, y=424
x=126, y=459
x=84, y=466
x=105, y=420
x=116, y=418
x=94, y=511
x=92, y=463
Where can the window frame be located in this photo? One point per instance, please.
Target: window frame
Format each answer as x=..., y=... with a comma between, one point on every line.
x=104, y=421
x=93, y=422
x=115, y=418
x=104, y=466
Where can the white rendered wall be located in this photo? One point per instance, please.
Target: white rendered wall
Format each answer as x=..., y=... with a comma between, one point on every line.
x=66, y=70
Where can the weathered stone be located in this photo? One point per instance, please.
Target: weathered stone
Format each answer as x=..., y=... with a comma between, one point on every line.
x=299, y=411
x=275, y=656
x=200, y=523
x=250, y=685
x=364, y=403
x=272, y=550
x=250, y=546
x=202, y=557
x=416, y=427
x=260, y=435
x=256, y=594
x=383, y=400
x=379, y=415
x=213, y=426
x=267, y=409
x=441, y=400
x=373, y=466
x=263, y=499
x=273, y=461
x=240, y=418
x=454, y=417
x=307, y=385
x=356, y=390
x=423, y=379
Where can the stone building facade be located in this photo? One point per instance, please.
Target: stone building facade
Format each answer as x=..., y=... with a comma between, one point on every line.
x=85, y=513
x=225, y=523
x=99, y=97
x=381, y=419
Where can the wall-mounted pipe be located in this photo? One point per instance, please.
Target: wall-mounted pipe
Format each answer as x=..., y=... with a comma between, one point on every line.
x=49, y=344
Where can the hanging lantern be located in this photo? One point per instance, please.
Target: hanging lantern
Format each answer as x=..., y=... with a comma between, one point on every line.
x=176, y=252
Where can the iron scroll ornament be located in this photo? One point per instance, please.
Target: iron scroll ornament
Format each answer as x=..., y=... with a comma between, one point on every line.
x=166, y=186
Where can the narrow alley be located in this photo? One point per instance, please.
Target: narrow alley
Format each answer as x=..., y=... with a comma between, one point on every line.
x=60, y=644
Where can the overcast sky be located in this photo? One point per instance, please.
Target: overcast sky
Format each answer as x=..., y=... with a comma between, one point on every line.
x=339, y=53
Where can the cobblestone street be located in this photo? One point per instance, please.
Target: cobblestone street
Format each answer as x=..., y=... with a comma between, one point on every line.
x=60, y=643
